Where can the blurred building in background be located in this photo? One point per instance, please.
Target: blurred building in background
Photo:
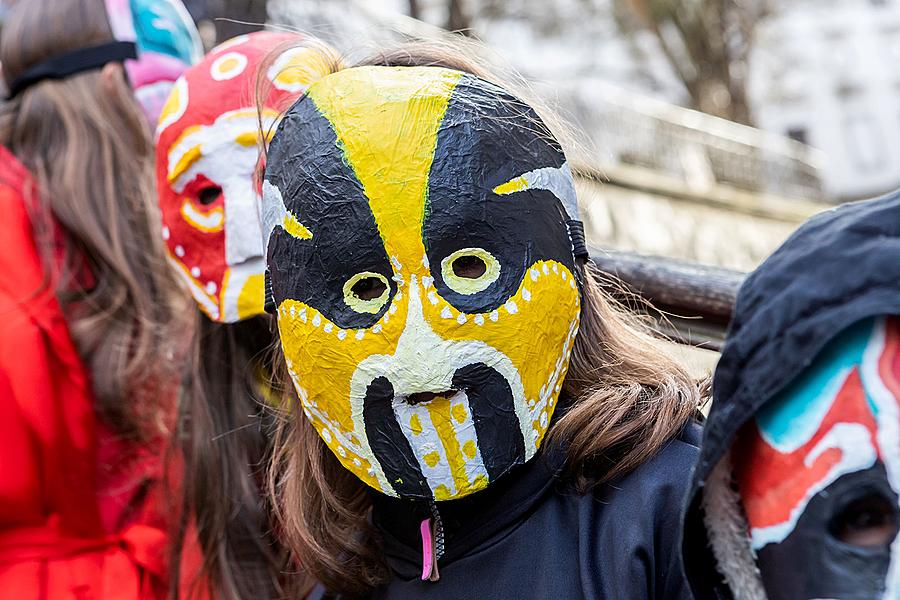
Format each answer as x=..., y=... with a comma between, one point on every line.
x=824, y=72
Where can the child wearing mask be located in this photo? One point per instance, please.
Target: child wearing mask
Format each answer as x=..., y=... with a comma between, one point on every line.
x=796, y=491
x=471, y=417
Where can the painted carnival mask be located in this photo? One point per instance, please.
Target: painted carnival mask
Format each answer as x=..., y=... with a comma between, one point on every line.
x=819, y=472
x=423, y=274
x=167, y=44
x=206, y=157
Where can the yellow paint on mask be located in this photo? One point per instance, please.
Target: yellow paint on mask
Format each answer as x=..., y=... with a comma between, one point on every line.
x=388, y=132
x=512, y=186
x=439, y=411
x=470, y=449
x=295, y=228
x=415, y=424
x=252, y=297
x=297, y=68
x=248, y=139
x=207, y=222
x=192, y=155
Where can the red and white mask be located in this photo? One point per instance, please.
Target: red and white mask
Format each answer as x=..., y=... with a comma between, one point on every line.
x=206, y=156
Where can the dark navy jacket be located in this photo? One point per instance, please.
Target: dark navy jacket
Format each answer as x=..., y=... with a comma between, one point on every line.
x=530, y=535
x=840, y=267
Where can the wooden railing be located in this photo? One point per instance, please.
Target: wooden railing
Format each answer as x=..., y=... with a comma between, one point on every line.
x=690, y=303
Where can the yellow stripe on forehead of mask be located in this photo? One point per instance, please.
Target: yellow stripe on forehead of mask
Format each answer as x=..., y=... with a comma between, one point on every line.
x=386, y=120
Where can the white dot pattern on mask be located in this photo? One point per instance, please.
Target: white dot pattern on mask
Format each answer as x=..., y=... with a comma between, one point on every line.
x=228, y=66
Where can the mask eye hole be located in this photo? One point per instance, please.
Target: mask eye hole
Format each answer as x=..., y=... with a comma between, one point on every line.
x=366, y=292
x=869, y=522
x=470, y=270
x=469, y=267
x=209, y=194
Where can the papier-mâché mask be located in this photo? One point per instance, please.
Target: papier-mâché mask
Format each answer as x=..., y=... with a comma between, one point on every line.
x=818, y=471
x=423, y=274
x=206, y=156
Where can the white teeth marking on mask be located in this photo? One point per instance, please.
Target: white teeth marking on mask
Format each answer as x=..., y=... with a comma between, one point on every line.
x=494, y=316
x=396, y=263
x=303, y=314
x=427, y=281
x=479, y=319
x=166, y=233
x=432, y=297
x=360, y=334
x=179, y=251
x=511, y=307
x=328, y=328
x=316, y=320
x=377, y=328
x=526, y=295
x=293, y=311
x=546, y=269
x=556, y=269
x=433, y=453
x=425, y=261
x=392, y=309
x=534, y=274
x=342, y=334
x=211, y=287
x=446, y=313
x=461, y=319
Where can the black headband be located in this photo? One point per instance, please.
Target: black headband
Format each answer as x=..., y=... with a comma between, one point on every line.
x=73, y=62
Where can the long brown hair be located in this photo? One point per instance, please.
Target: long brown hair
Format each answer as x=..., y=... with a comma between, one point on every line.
x=85, y=141
x=227, y=434
x=628, y=399
x=226, y=447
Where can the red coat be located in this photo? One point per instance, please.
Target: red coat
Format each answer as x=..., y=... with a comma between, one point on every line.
x=83, y=515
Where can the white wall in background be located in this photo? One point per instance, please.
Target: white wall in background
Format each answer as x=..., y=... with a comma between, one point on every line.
x=826, y=72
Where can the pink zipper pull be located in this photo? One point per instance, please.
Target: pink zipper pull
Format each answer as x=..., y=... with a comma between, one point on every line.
x=427, y=549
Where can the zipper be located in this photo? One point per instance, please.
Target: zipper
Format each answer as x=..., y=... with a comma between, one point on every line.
x=432, y=531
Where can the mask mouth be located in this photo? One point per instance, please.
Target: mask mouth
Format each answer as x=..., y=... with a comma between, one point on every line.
x=418, y=437
x=423, y=397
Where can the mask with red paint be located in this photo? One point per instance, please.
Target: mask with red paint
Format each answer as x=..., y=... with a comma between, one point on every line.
x=206, y=156
x=818, y=472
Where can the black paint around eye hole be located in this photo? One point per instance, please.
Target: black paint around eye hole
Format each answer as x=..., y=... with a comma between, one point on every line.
x=869, y=522
x=208, y=195
x=469, y=267
x=368, y=288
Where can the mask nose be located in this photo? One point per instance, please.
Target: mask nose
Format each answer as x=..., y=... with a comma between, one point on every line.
x=243, y=234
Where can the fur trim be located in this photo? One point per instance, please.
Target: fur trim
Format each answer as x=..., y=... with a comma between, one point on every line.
x=727, y=529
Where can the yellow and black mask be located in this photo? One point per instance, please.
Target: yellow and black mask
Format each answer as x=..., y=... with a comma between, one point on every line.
x=421, y=233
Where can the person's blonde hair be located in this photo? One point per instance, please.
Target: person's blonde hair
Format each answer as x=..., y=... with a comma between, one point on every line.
x=85, y=141
x=629, y=399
